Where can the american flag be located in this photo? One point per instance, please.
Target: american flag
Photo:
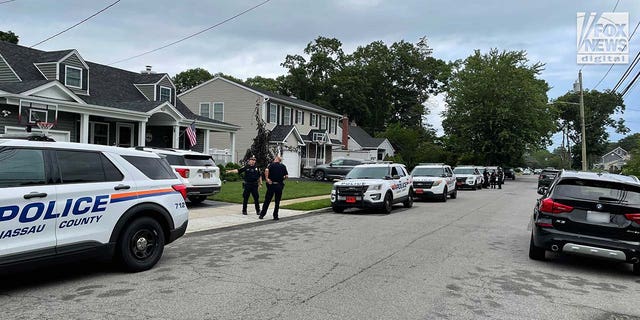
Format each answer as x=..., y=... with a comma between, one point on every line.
x=191, y=133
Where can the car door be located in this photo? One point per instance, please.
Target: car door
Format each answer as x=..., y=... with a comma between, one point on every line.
x=451, y=180
x=27, y=203
x=336, y=168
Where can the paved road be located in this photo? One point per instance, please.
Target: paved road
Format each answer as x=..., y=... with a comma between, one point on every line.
x=464, y=259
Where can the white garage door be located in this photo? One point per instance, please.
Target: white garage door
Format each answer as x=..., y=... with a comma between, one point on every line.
x=57, y=135
x=291, y=159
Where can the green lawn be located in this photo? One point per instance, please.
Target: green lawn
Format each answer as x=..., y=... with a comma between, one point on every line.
x=232, y=191
x=309, y=205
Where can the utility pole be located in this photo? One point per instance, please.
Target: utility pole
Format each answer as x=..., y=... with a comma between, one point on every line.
x=583, y=137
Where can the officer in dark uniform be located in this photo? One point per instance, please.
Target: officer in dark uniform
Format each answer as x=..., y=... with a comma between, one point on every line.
x=275, y=174
x=252, y=181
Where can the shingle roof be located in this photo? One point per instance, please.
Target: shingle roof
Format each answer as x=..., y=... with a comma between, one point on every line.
x=363, y=138
x=19, y=87
x=288, y=99
x=280, y=132
x=182, y=108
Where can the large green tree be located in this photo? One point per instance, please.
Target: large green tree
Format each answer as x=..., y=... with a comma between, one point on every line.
x=599, y=109
x=497, y=108
x=9, y=36
x=188, y=79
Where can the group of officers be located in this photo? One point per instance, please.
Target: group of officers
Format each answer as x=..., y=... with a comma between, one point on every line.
x=493, y=179
x=274, y=175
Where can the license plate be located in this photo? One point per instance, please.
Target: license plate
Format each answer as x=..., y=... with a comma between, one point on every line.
x=458, y=183
x=419, y=191
x=598, y=217
x=351, y=199
x=206, y=175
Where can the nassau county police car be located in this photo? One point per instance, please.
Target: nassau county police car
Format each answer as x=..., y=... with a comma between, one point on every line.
x=59, y=199
x=377, y=185
x=434, y=180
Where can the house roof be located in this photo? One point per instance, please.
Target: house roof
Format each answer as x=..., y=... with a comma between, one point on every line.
x=280, y=133
x=291, y=100
x=19, y=87
x=182, y=108
x=363, y=138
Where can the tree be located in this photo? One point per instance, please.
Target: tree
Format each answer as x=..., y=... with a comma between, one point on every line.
x=497, y=108
x=264, y=83
x=260, y=147
x=414, y=145
x=188, y=79
x=599, y=108
x=9, y=36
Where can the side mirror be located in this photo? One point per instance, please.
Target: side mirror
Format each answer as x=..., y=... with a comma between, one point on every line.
x=387, y=177
x=396, y=177
x=542, y=190
x=444, y=175
x=331, y=164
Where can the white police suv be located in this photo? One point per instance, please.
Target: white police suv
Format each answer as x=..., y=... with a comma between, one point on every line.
x=434, y=180
x=59, y=200
x=377, y=185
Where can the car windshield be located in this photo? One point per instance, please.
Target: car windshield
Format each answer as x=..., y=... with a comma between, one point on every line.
x=427, y=172
x=464, y=171
x=368, y=173
x=198, y=160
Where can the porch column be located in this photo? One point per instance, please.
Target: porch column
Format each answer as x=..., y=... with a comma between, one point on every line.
x=142, y=133
x=206, y=141
x=176, y=137
x=84, y=128
x=232, y=140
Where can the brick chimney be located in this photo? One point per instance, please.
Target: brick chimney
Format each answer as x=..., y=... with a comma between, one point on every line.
x=345, y=132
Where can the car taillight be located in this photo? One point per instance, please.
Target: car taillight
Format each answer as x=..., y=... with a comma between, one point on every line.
x=635, y=217
x=182, y=189
x=549, y=206
x=183, y=172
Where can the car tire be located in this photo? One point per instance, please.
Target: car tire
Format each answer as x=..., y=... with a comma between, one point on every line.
x=454, y=194
x=409, y=202
x=319, y=175
x=141, y=244
x=387, y=204
x=636, y=268
x=536, y=253
x=337, y=209
x=443, y=198
x=197, y=199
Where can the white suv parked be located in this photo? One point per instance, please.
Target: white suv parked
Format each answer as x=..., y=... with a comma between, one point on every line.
x=434, y=181
x=60, y=199
x=378, y=185
x=468, y=177
x=197, y=170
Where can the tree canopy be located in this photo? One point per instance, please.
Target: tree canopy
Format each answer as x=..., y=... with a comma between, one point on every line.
x=188, y=79
x=497, y=108
x=9, y=36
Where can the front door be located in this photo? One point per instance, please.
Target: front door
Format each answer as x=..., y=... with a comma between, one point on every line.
x=124, y=134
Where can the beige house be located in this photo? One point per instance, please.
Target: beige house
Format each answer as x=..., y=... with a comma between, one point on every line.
x=303, y=133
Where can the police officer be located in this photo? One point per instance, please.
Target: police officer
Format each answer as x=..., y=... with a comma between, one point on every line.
x=252, y=181
x=275, y=174
x=500, y=177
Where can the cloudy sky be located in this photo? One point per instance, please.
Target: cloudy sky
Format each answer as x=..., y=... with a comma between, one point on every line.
x=257, y=42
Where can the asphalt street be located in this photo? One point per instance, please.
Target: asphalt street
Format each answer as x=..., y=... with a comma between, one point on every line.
x=463, y=259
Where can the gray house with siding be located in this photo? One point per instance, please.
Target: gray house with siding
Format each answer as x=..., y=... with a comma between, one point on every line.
x=94, y=103
x=614, y=160
x=304, y=133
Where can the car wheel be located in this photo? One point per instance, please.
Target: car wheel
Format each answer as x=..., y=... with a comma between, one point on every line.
x=319, y=175
x=409, y=202
x=536, y=253
x=387, y=204
x=443, y=198
x=337, y=209
x=454, y=194
x=141, y=244
x=197, y=199
x=636, y=268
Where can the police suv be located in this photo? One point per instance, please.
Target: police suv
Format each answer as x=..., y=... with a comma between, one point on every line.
x=434, y=180
x=60, y=199
x=377, y=185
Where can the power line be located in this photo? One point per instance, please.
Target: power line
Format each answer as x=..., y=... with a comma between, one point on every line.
x=630, y=84
x=3, y=2
x=192, y=35
x=605, y=75
x=627, y=72
x=75, y=25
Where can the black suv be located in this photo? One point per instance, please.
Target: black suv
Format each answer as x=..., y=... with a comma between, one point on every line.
x=591, y=214
x=546, y=177
x=509, y=173
x=336, y=169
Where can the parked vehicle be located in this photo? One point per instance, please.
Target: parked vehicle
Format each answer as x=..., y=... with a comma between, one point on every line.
x=61, y=200
x=468, y=177
x=509, y=173
x=336, y=169
x=590, y=214
x=434, y=181
x=197, y=170
x=377, y=185
x=546, y=177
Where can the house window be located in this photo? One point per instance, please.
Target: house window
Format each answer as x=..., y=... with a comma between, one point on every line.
x=318, y=136
x=99, y=133
x=165, y=94
x=286, y=118
x=313, y=120
x=205, y=109
x=273, y=113
x=301, y=117
x=330, y=125
x=323, y=122
x=73, y=77
x=297, y=117
x=218, y=111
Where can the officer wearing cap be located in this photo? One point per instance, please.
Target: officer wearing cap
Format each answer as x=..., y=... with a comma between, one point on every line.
x=275, y=174
x=252, y=180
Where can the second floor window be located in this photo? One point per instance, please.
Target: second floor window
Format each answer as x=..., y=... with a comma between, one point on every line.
x=286, y=118
x=205, y=109
x=218, y=111
x=165, y=94
x=73, y=77
x=314, y=120
x=273, y=114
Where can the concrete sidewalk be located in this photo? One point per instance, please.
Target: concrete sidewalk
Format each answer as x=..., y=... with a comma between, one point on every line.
x=216, y=215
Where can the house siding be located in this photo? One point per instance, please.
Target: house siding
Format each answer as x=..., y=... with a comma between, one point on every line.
x=49, y=70
x=239, y=108
x=74, y=61
x=147, y=90
x=6, y=74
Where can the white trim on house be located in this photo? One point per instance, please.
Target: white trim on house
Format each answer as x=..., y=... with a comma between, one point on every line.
x=213, y=111
x=142, y=93
x=92, y=131
x=10, y=68
x=66, y=76
x=160, y=92
x=38, y=68
x=127, y=125
x=54, y=83
x=284, y=114
x=74, y=51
